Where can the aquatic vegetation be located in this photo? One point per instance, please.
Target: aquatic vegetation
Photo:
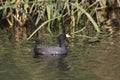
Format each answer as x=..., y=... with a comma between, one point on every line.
x=28, y=18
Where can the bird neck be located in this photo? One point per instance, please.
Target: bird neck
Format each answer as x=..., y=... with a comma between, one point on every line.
x=62, y=43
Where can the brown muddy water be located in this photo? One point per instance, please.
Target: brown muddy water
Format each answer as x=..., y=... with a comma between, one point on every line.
x=94, y=61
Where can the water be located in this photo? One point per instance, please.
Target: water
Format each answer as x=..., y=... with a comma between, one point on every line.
x=99, y=61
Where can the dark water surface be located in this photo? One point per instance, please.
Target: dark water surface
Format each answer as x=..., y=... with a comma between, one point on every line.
x=99, y=61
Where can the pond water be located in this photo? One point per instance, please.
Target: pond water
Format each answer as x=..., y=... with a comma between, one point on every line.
x=100, y=61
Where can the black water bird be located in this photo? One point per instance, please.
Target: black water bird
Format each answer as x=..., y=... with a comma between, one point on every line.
x=52, y=50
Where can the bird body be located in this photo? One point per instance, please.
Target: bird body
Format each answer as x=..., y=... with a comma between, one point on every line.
x=52, y=50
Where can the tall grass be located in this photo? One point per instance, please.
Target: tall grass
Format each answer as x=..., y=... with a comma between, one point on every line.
x=55, y=16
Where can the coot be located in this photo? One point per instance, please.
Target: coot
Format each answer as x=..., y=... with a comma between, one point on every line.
x=52, y=50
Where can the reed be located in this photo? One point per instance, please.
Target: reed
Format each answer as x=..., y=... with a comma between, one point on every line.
x=54, y=16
